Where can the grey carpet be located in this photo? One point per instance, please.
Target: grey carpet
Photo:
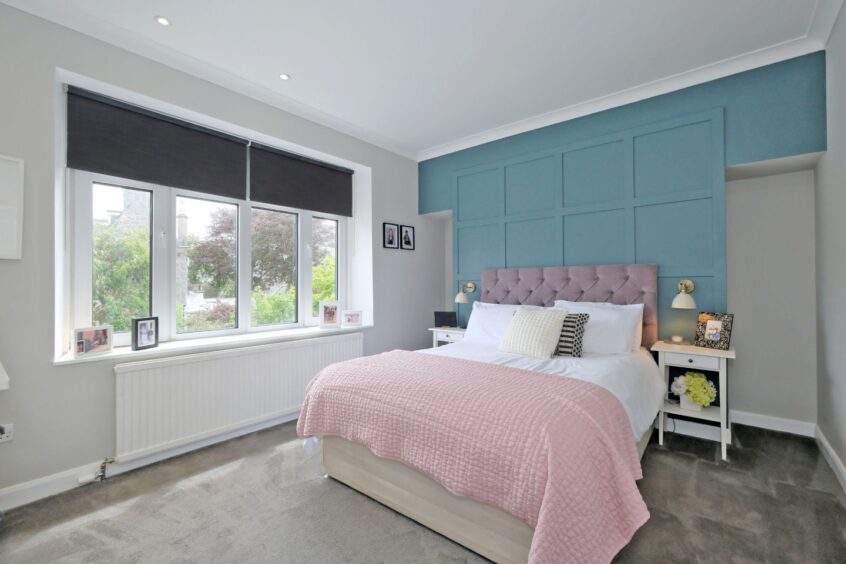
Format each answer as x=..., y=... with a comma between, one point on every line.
x=261, y=498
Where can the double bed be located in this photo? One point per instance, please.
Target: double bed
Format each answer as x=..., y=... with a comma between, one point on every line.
x=517, y=458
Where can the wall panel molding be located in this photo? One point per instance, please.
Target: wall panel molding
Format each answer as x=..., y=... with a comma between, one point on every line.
x=655, y=193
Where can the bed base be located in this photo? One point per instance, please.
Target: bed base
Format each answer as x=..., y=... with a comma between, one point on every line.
x=482, y=528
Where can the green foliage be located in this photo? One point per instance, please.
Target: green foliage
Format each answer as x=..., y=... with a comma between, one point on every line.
x=121, y=265
x=323, y=282
x=274, y=243
x=274, y=309
x=221, y=316
x=212, y=261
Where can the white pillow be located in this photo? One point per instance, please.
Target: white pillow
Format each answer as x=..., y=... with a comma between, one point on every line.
x=488, y=323
x=611, y=329
x=534, y=332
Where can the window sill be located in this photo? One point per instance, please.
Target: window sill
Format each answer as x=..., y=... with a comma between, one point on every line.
x=175, y=348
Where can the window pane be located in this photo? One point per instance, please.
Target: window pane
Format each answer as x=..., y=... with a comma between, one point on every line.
x=324, y=257
x=121, y=255
x=206, y=265
x=274, y=278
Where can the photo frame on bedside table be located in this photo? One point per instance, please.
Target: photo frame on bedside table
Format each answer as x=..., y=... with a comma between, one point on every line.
x=713, y=330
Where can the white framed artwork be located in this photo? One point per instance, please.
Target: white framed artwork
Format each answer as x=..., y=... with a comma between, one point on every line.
x=330, y=313
x=351, y=318
x=11, y=207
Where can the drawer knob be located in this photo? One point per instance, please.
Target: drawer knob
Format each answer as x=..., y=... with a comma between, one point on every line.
x=690, y=360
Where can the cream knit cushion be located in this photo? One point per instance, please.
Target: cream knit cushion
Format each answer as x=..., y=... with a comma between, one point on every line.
x=534, y=332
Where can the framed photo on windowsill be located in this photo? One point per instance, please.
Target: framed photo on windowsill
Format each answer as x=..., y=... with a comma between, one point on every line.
x=90, y=341
x=330, y=314
x=145, y=333
x=351, y=318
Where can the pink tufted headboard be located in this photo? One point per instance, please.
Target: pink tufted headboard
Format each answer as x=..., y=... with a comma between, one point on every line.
x=620, y=284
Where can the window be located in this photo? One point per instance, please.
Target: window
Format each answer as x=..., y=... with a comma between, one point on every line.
x=121, y=264
x=205, y=265
x=274, y=267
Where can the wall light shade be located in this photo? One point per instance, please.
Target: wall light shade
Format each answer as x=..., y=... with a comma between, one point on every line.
x=683, y=299
x=461, y=297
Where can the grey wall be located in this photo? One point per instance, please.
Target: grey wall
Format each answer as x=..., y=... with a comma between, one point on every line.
x=831, y=251
x=771, y=291
x=64, y=416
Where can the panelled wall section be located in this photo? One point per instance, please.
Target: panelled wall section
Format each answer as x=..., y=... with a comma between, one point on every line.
x=653, y=194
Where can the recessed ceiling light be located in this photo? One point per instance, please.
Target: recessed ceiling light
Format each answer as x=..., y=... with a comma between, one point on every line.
x=163, y=21
x=284, y=76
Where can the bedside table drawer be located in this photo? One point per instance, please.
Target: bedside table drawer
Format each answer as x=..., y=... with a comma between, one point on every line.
x=449, y=336
x=692, y=360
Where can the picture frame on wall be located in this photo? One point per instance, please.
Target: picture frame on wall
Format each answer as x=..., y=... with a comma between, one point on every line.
x=407, y=237
x=330, y=313
x=145, y=333
x=91, y=341
x=351, y=318
x=390, y=235
x=713, y=330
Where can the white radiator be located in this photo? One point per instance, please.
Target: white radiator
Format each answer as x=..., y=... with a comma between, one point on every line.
x=167, y=403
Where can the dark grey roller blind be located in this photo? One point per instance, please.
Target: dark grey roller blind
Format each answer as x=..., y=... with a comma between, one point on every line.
x=291, y=180
x=110, y=137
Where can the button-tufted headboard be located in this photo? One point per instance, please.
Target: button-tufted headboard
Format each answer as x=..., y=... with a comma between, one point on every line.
x=617, y=284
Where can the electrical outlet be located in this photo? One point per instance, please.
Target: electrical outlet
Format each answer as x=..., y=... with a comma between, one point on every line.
x=8, y=433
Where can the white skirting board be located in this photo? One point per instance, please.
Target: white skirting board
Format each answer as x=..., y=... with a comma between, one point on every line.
x=702, y=431
x=40, y=488
x=831, y=457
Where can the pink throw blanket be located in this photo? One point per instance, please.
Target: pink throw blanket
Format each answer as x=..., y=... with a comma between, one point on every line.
x=555, y=452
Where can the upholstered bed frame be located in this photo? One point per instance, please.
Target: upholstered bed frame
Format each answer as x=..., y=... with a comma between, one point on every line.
x=485, y=529
x=620, y=284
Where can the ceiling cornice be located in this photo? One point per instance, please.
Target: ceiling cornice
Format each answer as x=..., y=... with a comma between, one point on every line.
x=819, y=28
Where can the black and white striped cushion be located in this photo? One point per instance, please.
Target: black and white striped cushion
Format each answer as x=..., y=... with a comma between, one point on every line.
x=572, y=334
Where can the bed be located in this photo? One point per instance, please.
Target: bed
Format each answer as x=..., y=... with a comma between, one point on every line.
x=417, y=468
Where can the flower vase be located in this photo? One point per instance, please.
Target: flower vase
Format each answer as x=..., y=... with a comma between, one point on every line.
x=689, y=405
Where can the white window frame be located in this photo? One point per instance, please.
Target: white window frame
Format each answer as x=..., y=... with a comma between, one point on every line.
x=163, y=297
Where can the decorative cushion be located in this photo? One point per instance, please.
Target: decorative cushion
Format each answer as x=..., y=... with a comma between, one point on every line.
x=572, y=335
x=613, y=329
x=534, y=332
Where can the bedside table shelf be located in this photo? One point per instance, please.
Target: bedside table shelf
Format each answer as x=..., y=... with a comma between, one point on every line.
x=446, y=335
x=701, y=359
x=710, y=413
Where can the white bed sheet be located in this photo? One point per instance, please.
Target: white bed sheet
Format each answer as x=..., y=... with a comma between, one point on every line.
x=633, y=378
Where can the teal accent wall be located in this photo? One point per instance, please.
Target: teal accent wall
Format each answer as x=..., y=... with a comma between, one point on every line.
x=640, y=183
x=655, y=193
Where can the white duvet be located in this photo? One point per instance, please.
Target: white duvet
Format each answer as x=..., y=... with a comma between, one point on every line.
x=633, y=378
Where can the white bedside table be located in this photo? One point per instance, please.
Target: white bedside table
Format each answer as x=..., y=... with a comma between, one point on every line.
x=446, y=335
x=698, y=358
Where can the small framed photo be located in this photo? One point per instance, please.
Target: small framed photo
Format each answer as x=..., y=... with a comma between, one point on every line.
x=351, y=318
x=390, y=235
x=407, y=237
x=145, y=333
x=713, y=330
x=90, y=341
x=330, y=314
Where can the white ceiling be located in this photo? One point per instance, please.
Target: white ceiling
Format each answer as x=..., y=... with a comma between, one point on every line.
x=424, y=78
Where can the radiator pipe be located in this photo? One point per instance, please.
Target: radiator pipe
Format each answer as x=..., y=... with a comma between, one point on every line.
x=96, y=476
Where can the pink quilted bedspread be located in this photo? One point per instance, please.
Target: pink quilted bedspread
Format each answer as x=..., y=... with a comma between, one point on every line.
x=555, y=452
